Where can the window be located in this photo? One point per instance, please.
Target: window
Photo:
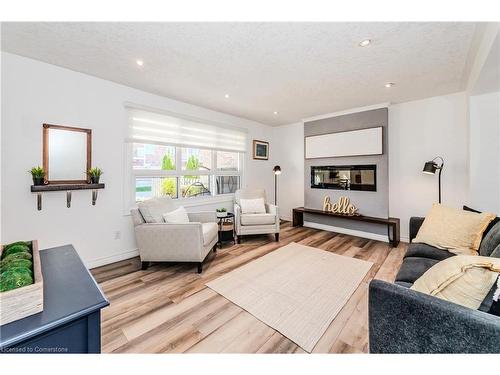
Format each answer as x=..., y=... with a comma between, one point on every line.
x=181, y=172
x=183, y=158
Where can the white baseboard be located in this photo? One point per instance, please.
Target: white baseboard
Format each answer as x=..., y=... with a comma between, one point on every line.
x=351, y=232
x=111, y=259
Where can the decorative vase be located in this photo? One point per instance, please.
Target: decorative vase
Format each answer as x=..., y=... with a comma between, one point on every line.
x=38, y=181
x=94, y=179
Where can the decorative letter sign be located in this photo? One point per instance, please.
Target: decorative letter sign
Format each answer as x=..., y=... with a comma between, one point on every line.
x=342, y=207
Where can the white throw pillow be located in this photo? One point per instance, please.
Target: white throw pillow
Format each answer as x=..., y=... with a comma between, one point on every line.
x=178, y=216
x=253, y=206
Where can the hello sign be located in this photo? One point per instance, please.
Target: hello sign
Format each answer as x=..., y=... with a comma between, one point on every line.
x=342, y=207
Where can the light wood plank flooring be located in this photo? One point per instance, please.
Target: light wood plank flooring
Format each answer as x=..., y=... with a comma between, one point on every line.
x=168, y=308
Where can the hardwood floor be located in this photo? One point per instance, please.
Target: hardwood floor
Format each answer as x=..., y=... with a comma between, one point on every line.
x=168, y=308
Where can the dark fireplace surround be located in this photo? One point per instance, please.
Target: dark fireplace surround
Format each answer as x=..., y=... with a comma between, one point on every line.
x=344, y=177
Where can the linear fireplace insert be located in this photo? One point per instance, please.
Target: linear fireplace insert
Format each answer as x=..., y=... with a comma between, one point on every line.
x=345, y=177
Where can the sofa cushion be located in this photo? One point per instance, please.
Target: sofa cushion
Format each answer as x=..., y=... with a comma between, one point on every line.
x=414, y=267
x=210, y=231
x=496, y=253
x=152, y=210
x=491, y=241
x=258, y=219
x=423, y=250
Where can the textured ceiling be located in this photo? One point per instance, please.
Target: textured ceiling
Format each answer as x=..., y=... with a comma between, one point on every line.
x=298, y=69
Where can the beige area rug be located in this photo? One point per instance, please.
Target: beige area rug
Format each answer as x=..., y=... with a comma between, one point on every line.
x=297, y=290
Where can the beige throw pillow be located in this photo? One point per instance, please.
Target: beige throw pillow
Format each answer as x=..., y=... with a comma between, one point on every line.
x=178, y=216
x=455, y=230
x=253, y=206
x=463, y=279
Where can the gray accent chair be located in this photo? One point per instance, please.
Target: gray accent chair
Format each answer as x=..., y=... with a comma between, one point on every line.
x=402, y=320
x=247, y=224
x=163, y=242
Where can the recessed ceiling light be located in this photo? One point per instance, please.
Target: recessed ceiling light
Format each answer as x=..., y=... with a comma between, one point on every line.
x=140, y=62
x=275, y=112
x=226, y=96
x=365, y=43
x=389, y=84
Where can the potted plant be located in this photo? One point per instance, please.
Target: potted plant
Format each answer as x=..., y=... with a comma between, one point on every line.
x=95, y=174
x=221, y=212
x=38, y=175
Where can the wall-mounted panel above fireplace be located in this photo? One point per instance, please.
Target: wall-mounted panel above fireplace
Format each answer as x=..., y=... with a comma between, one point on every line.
x=344, y=177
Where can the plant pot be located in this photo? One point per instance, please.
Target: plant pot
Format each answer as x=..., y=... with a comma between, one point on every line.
x=221, y=214
x=38, y=181
x=94, y=179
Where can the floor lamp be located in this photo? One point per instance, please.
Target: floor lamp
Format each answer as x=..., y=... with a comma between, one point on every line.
x=431, y=167
x=276, y=171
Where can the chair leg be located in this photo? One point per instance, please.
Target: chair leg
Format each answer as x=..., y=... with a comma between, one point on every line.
x=215, y=248
x=277, y=236
x=200, y=267
x=144, y=265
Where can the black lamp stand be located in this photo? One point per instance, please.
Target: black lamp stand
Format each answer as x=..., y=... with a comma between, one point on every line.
x=431, y=167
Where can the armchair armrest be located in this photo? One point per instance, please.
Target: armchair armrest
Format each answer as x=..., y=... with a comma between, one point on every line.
x=415, y=224
x=203, y=217
x=402, y=320
x=271, y=209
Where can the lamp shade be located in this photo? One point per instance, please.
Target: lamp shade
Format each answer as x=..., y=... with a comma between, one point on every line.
x=277, y=169
x=430, y=167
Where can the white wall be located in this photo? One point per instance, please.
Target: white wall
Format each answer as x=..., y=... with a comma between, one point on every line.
x=419, y=131
x=289, y=154
x=484, y=120
x=33, y=93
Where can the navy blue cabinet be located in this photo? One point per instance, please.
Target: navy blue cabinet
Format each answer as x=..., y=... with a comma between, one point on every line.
x=71, y=319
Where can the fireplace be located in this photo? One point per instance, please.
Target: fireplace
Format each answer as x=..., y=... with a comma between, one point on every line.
x=345, y=177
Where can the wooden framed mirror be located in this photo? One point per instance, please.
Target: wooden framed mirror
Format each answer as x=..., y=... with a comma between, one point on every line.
x=67, y=154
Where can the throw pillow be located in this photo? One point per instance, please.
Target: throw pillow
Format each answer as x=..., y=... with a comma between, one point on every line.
x=490, y=225
x=451, y=229
x=178, y=216
x=152, y=210
x=253, y=206
x=463, y=279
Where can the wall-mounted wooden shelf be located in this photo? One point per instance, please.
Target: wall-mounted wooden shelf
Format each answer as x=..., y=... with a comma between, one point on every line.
x=68, y=188
x=391, y=222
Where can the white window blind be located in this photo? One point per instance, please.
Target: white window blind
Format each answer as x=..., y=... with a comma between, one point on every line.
x=158, y=128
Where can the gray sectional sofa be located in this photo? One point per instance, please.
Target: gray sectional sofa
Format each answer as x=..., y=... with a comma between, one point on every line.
x=402, y=320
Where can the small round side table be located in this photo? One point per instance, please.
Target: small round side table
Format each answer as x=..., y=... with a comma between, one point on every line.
x=226, y=228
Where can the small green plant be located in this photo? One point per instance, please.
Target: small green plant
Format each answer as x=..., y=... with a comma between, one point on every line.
x=37, y=172
x=95, y=172
x=221, y=210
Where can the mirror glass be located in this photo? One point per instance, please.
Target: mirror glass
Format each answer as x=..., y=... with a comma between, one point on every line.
x=66, y=154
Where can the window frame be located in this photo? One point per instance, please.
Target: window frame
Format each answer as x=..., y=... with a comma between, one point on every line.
x=179, y=173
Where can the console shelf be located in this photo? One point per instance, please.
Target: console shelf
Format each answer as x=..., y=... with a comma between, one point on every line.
x=391, y=222
x=68, y=188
